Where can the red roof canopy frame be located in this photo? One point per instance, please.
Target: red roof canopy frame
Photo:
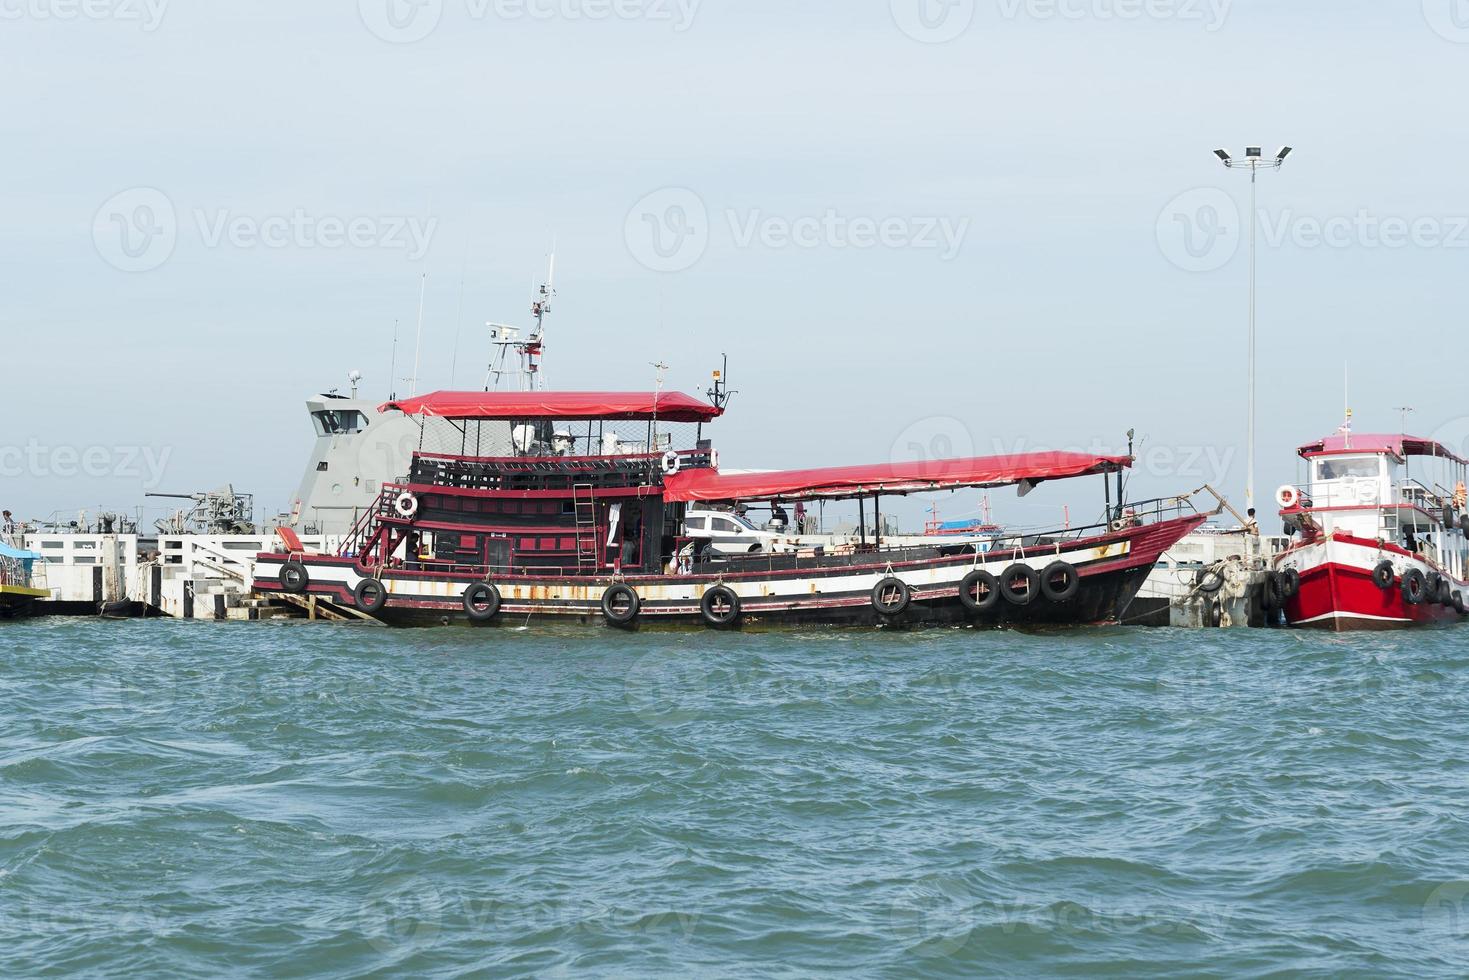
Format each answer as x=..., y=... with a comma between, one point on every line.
x=1400, y=446
x=845, y=482
x=475, y=406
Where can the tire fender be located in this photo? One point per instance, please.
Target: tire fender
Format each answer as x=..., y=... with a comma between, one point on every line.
x=1060, y=582
x=891, y=597
x=621, y=605
x=481, y=602
x=973, y=598
x=720, y=607
x=371, y=596
x=1020, y=585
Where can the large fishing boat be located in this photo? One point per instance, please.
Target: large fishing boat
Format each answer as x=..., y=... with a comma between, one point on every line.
x=1378, y=533
x=573, y=506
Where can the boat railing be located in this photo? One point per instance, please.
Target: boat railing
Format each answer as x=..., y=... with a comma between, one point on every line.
x=551, y=472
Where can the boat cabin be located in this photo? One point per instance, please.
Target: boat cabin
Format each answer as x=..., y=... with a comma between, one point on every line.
x=537, y=482
x=1403, y=490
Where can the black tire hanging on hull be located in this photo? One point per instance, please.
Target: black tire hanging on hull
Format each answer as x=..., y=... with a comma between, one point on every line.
x=371, y=596
x=720, y=607
x=294, y=578
x=481, y=602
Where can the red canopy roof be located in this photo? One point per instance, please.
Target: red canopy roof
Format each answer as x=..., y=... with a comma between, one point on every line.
x=669, y=406
x=1399, y=445
x=889, y=478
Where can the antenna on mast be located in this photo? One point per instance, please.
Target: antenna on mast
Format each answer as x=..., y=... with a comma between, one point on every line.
x=1406, y=410
x=539, y=308
x=721, y=393
x=526, y=352
x=393, y=371
x=418, y=351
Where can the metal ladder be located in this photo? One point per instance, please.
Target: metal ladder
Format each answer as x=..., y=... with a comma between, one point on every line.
x=584, y=502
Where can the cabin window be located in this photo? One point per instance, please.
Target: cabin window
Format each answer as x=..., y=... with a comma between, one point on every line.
x=698, y=523
x=724, y=524
x=339, y=423
x=1349, y=467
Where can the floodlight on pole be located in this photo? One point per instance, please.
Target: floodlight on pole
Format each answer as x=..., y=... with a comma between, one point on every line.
x=1254, y=161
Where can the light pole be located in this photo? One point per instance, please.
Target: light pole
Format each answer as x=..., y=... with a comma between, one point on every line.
x=1254, y=162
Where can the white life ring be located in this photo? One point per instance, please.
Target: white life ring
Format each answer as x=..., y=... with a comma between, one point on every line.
x=1287, y=497
x=672, y=463
x=406, y=505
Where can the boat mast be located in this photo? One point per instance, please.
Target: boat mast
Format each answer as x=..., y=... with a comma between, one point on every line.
x=507, y=342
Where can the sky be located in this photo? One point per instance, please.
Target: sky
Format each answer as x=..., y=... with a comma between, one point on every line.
x=917, y=227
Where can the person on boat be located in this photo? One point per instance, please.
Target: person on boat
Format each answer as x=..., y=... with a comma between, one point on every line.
x=779, y=519
x=800, y=517
x=1410, y=541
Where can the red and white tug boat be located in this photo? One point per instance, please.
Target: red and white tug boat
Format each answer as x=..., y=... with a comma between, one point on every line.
x=572, y=507
x=1380, y=535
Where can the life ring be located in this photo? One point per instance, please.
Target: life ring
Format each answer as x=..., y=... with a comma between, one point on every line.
x=481, y=602
x=1060, y=582
x=371, y=596
x=980, y=591
x=1288, y=497
x=406, y=506
x=891, y=597
x=1415, y=587
x=672, y=463
x=294, y=578
x=621, y=605
x=1384, y=575
x=720, y=607
x=1012, y=581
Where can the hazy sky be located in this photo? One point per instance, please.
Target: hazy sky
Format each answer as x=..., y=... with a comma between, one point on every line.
x=913, y=224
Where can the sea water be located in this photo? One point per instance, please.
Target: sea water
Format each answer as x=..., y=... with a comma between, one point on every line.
x=190, y=799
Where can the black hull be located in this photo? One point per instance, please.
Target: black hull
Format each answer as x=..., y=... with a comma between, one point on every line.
x=1103, y=599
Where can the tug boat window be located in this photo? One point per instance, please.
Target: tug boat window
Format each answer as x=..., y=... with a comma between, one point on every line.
x=1349, y=467
x=342, y=423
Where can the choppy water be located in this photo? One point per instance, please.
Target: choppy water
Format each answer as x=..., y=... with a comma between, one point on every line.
x=292, y=799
